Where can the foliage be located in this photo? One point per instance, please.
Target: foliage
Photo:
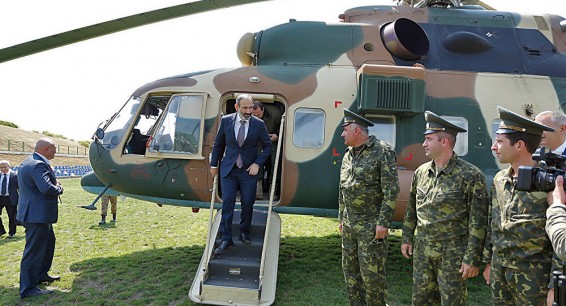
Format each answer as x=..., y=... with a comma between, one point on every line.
x=150, y=257
x=85, y=143
x=47, y=133
x=8, y=123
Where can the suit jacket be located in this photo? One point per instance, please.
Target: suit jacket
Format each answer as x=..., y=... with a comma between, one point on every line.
x=38, y=192
x=226, y=142
x=13, y=188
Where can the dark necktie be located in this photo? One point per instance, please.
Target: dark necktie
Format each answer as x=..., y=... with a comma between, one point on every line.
x=4, y=184
x=240, y=139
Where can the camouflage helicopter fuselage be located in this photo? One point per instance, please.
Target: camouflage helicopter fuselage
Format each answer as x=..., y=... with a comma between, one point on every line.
x=389, y=63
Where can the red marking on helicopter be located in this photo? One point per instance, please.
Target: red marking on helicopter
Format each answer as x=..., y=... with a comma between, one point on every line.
x=410, y=157
x=334, y=153
x=336, y=103
x=139, y=173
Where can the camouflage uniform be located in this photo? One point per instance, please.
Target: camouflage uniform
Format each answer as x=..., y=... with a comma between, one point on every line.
x=517, y=247
x=104, y=206
x=367, y=196
x=448, y=208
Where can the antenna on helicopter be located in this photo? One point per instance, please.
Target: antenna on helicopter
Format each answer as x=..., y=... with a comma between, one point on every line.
x=442, y=3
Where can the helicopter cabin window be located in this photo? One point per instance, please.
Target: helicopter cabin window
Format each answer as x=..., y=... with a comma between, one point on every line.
x=180, y=129
x=308, y=128
x=114, y=132
x=383, y=129
x=461, y=147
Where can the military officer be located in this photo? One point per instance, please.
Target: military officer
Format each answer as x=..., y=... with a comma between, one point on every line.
x=447, y=207
x=518, y=253
x=367, y=195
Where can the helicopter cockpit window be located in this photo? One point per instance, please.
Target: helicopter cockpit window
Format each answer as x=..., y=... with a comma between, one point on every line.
x=308, y=129
x=461, y=147
x=116, y=129
x=180, y=129
x=383, y=129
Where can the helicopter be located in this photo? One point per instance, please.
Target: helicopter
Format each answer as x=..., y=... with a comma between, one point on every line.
x=388, y=63
x=311, y=71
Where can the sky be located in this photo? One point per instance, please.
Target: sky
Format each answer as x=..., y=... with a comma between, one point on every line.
x=72, y=89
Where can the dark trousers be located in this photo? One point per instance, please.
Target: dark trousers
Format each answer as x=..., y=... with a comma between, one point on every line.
x=38, y=255
x=11, y=210
x=237, y=179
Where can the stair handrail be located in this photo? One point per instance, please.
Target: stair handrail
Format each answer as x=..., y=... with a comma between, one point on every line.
x=271, y=196
x=209, y=232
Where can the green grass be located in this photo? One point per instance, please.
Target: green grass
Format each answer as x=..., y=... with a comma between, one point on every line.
x=149, y=257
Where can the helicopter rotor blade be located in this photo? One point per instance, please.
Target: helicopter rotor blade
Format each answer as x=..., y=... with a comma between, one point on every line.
x=113, y=26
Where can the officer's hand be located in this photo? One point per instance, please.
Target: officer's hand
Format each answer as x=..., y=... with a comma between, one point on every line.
x=486, y=273
x=214, y=171
x=253, y=169
x=407, y=250
x=381, y=232
x=469, y=271
x=340, y=227
x=273, y=137
x=558, y=195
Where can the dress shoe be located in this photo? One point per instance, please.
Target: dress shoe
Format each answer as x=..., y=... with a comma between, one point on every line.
x=50, y=279
x=36, y=292
x=223, y=247
x=2, y=232
x=11, y=236
x=245, y=238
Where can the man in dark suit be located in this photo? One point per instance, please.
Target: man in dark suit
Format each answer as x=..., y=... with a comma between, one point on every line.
x=38, y=210
x=238, y=138
x=8, y=197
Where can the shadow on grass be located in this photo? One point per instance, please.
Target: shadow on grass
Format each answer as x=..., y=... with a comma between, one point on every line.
x=105, y=226
x=310, y=273
x=5, y=240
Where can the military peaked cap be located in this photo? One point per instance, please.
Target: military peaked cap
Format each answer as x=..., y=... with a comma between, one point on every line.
x=512, y=122
x=434, y=123
x=351, y=117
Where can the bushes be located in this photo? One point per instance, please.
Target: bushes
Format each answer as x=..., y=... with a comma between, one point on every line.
x=8, y=123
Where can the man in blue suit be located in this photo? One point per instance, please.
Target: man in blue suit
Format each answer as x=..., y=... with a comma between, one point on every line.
x=8, y=197
x=37, y=211
x=238, y=138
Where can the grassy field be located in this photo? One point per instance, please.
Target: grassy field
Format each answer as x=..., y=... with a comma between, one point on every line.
x=150, y=255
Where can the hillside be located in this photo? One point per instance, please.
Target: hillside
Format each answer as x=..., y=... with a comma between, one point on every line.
x=22, y=140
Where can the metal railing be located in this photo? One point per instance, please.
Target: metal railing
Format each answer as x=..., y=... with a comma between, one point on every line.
x=21, y=146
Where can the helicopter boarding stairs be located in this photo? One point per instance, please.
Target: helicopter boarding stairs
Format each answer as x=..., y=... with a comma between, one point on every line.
x=233, y=277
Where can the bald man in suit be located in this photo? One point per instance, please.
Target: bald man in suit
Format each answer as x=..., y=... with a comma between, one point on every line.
x=38, y=210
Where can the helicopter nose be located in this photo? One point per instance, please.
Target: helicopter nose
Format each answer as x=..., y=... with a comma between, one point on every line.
x=91, y=183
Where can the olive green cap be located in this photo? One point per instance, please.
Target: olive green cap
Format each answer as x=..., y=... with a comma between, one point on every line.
x=351, y=117
x=512, y=122
x=434, y=123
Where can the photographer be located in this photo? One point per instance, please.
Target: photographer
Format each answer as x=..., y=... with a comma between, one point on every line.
x=556, y=219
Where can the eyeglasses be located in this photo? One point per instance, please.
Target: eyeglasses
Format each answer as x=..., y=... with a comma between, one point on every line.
x=377, y=241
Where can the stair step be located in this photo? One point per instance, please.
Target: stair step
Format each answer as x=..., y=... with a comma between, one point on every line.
x=230, y=295
x=237, y=273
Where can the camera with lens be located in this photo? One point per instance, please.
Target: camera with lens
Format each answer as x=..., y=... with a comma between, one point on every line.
x=543, y=177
